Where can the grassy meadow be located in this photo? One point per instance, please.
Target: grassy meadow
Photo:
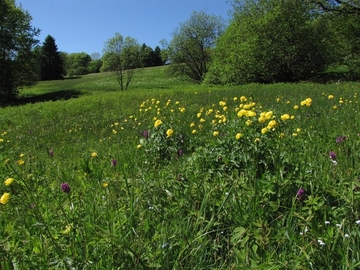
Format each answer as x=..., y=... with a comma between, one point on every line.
x=175, y=175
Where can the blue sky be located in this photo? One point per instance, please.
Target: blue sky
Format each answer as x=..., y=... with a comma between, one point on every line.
x=85, y=25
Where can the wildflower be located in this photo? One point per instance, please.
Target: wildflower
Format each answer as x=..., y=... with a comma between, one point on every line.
x=248, y=122
x=357, y=222
x=193, y=131
x=238, y=136
x=321, y=243
x=157, y=123
x=21, y=155
x=192, y=124
x=307, y=102
x=67, y=229
x=300, y=195
x=1, y=140
x=327, y=222
x=145, y=134
x=282, y=135
x=222, y=103
x=5, y=198
x=296, y=107
x=8, y=181
x=105, y=184
x=180, y=152
x=264, y=130
x=346, y=235
x=169, y=132
x=93, y=154
x=65, y=187
x=113, y=162
x=138, y=146
x=272, y=124
x=340, y=139
x=215, y=133
x=332, y=155
x=242, y=98
x=51, y=153
x=285, y=117
x=20, y=162
x=202, y=120
x=330, y=97
x=257, y=140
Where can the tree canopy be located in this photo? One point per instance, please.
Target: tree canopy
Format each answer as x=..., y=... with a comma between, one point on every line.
x=271, y=41
x=189, y=51
x=17, y=40
x=122, y=56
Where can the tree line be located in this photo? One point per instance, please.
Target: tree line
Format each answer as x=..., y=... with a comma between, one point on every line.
x=266, y=41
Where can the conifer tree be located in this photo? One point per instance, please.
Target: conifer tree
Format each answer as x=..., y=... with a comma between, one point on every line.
x=51, y=62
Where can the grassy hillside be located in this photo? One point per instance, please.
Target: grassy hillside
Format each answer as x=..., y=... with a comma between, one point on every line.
x=174, y=175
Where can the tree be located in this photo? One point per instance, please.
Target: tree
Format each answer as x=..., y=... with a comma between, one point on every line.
x=271, y=41
x=147, y=56
x=121, y=56
x=77, y=63
x=342, y=6
x=190, y=49
x=95, y=56
x=157, y=57
x=51, y=62
x=17, y=40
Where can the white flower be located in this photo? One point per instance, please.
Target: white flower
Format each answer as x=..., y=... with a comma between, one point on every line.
x=327, y=222
x=321, y=243
x=346, y=235
x=357, y=222
x=338, y=225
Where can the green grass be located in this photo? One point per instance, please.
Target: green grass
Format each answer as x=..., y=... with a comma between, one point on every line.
x=218, y=193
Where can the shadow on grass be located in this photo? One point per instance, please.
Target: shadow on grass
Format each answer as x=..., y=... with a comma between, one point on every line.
x=51, y=96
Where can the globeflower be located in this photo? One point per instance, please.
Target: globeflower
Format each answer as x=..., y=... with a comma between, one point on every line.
x=330, y=97
x=307, y=102
x=157, y=123
x=169, y=132
x=215, y=133
x=5, y=198
x=93, y=154
x=285, y=117
x=238, y=136
x=8, y=181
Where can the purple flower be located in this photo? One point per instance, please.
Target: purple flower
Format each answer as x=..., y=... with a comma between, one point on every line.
x=300, y=195
x=332, y=155
x=113, y=162
x=145, y=134
x=340, y=139
x=65, y=187
x=180, y=152
x=51, y=153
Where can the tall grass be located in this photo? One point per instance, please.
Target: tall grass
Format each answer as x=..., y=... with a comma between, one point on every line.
x=171, y=175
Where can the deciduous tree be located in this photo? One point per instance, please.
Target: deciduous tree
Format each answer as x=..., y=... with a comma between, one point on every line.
x=121, y=55
x=190, y=49
x=17, y=59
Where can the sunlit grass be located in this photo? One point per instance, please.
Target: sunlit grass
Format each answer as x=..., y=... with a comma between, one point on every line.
x=174, y=175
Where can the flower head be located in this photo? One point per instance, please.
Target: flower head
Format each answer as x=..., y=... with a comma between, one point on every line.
x=300, y=195
x=145, y=134
x=332, y=155
x=113, y=162
x=65, y=187
x=340, y=139
x=157, y=123
x=94, y=154
x=5, y=198
x=8, y=181
x=169, y=132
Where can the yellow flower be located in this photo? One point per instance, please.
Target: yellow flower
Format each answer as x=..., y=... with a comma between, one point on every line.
x=278, y=100
x=334, y=107
x=182, y=109
x=298, y=130
x=268, y=115
x=157, y=123
x=193, y=131
x=198, y=115
x=272, y=124
x=285, y=117
x=8, y=181
x=238, y=136
x=105, y=184
x=257, y=140
x=215, y=133
x=1, y=140
x=67, y=229
x=307, y=102
x=264, y=130
x=21, y=155
x=169, y=132
x=242, y=98
x=222, y=103
x=294, y=134
x=94, y=154
x=248, y=122
x=5, y=198
x=282, y=135
x=296, y=107
x=330, y=97
x=20, y=162
x=192, y=124
x=138, y=146
x=202, y=120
